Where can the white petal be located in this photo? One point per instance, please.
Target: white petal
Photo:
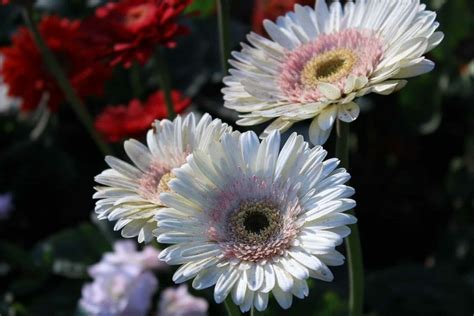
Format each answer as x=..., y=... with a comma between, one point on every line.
x=327, y=117
x=434, y=40
x=322, y=14
x=224, y=284
x=267, y=155
x=333, y=258
x=283, y=278
x=329, y=91
x=248, y=301
x=386, y=87
x=335, y=16
x=422, y=67
x=305, y=258
x=240, y=289
x=349, y=85
x=261, y=301
x=300, y=289
x=335, y=220
x=269, y=279
x=138, y=153
x=294, y=268
x=348, y=112
x=360, y=82
x=323, y=273
x=206, y=278
x=255, y=276
x=318, y=136
x=283, y=298
x=279, y=35
x=124, y=168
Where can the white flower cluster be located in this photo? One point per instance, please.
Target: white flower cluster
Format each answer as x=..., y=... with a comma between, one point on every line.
x=254, y=218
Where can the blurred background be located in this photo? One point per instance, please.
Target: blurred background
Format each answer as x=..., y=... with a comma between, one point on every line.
x=412, y=165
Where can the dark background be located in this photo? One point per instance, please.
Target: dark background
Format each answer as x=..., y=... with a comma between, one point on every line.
x=412, y=165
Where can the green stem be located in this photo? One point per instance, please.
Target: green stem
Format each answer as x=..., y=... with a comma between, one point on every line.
x=165, y=83
x=231, y=308
x=353, y=247
x=55, y=69
x=252, y=311
x=223, y=19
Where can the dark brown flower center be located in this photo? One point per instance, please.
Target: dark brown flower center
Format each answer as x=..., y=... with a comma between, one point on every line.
x=255, y=222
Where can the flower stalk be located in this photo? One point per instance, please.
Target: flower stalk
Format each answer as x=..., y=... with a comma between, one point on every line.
x=352, y=242
x=165, y=83
x=70, y=94
x=223, y=20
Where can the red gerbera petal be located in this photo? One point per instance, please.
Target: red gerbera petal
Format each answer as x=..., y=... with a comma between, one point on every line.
x=119, y=122
x=25, y=73
x=129, y=30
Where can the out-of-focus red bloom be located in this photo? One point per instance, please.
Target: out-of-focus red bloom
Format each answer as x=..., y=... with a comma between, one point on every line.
x=119, y=122
x=27, y=76
x=5, y=2
x=129, y=30
x=271, y=9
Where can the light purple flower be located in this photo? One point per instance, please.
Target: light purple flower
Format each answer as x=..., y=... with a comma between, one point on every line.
x=123, y=283
x=178, y=302
x=125, y=252
x=6, y=205
x=118, y=290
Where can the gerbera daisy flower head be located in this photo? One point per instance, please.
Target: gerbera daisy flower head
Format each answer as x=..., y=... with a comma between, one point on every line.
x=251, y=219
x=130, y=194
x=129, y=30
x=23, y=64
x=318, y=61
x=134, y=119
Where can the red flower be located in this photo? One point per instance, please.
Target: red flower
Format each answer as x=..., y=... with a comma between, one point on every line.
x=129, y=30
x=25, y=73
x=119, y=122
x=271, y=9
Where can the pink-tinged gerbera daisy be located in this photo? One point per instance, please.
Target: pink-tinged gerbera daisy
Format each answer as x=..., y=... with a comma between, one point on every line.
x=320, y=60
x=130, y=194
x=251, y=219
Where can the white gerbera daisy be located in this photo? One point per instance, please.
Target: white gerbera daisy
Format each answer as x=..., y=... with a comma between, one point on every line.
x=252, y=219
x=322, y=59
x=131, y=194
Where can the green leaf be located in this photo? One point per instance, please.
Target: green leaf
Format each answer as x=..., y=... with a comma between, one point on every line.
x=70, y=252
x=332, y=305
x=12, y=256
x=203, y=7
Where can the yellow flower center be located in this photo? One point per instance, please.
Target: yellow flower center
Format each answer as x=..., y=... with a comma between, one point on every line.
x=328, y=67
x=163, y=186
